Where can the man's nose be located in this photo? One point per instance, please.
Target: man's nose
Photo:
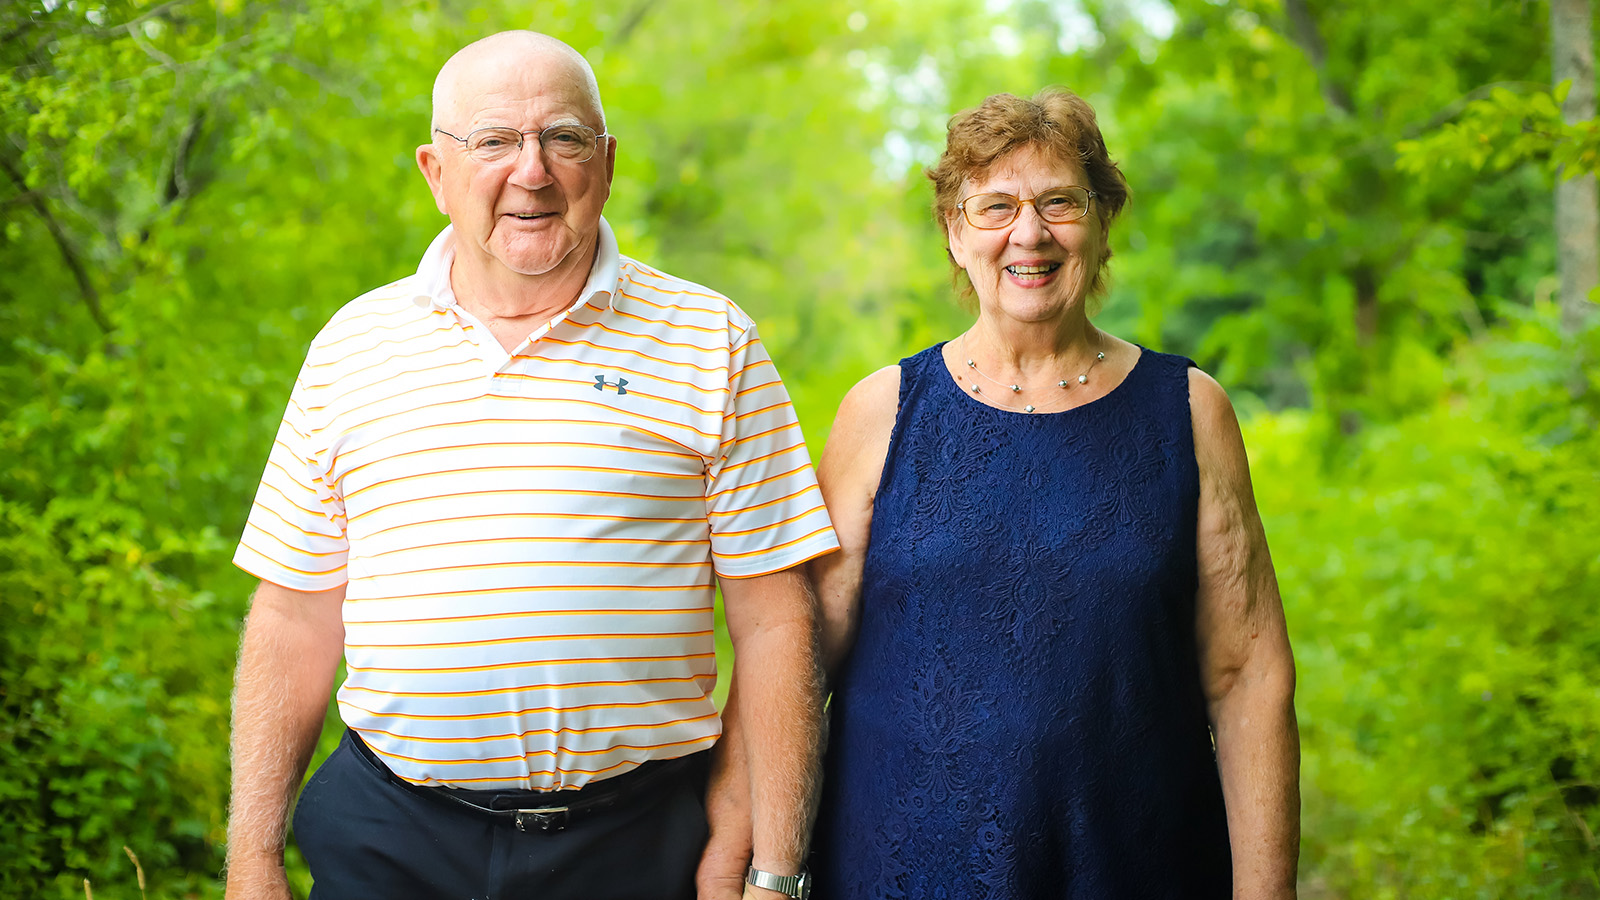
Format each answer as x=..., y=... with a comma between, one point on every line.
x=530, y=169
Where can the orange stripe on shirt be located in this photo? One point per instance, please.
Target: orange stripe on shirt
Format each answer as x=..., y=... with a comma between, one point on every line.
x=673, y=325
x=755, y=506
x=622, y=350
x=523, y=664
x=525, y=711
x=765, y=550
x=552, y=732
x=747, y=486
x=530, y=614
x=446, y=473
x=548, y=686
x=531, y=639
x=422, y=523
x=531, y=588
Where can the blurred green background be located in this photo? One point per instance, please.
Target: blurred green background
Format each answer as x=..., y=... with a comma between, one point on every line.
x=1342, y=210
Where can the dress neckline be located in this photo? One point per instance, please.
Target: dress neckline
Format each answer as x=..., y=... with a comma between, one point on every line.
x=950, y=380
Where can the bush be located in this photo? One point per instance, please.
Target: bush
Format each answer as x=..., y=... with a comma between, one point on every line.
x=1441, y=575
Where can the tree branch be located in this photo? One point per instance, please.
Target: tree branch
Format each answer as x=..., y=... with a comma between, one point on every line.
x=150, y=13
x=328, y=83
x=1304, y=32
x=91, y=296
x=178, y=186
x=17, y=32
x=1455, y=107
x=632, y=22
x=149, y=48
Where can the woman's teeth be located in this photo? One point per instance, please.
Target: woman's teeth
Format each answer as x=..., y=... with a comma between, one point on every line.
x=1024, y=271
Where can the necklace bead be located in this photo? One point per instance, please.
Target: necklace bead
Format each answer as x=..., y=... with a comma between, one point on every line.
x=1082, y=378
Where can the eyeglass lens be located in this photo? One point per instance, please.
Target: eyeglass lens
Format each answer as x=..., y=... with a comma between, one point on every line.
x=997, y=210
x=574, y=142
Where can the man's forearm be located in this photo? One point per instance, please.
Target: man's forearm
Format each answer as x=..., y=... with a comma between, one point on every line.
x=772, y=620
x=780, y=709
x=287, y=664
x=727, y=854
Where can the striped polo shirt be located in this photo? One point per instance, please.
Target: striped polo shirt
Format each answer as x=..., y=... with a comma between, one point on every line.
x=530, y=540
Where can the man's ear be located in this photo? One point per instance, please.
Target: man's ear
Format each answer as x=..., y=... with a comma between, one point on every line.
x=433, y=170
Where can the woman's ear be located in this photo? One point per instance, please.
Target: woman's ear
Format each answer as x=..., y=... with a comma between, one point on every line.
x=954, y=246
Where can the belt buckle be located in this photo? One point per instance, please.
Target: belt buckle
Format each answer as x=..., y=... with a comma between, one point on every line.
x=546, y=818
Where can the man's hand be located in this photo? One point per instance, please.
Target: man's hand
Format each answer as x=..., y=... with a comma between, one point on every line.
x=257, y=878
x=721, y=872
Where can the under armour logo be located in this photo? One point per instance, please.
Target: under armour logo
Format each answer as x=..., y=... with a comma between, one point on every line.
x=601, y=384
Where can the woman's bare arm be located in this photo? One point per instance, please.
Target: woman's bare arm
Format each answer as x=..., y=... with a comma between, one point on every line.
x=1246, y=668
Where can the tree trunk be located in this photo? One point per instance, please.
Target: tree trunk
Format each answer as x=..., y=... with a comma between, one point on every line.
x=1365, y=281
x=1577, y=205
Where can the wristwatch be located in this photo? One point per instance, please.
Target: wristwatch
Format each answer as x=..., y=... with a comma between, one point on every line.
x=795, y=887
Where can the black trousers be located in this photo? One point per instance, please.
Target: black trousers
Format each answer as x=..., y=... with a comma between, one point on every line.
x=367, y=835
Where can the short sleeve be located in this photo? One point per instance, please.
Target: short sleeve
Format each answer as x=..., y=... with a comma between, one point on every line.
x=765, y=509
x=295, y=536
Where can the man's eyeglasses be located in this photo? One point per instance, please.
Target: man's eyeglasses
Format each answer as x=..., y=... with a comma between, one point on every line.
x=997, y=210
x=576, y=143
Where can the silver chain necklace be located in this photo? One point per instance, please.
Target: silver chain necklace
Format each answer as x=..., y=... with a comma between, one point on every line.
x=1064, y=384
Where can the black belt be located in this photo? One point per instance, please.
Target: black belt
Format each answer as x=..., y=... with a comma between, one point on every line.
x=550, y=817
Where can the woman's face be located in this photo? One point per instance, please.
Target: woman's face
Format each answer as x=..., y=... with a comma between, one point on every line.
x=1030, y=270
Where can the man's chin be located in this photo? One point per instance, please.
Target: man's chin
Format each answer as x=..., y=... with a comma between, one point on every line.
x=532, y=261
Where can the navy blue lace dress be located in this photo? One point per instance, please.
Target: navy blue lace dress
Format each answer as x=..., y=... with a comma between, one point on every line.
x=1021, y=716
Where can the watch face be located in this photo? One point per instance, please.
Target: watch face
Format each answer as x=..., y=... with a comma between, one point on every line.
x=803, y=889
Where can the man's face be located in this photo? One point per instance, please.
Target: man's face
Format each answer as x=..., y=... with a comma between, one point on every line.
x=533, y=213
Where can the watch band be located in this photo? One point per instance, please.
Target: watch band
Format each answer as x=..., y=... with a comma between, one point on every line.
x=796, y=887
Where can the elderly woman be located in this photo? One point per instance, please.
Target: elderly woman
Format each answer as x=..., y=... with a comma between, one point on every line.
x=1067, y=672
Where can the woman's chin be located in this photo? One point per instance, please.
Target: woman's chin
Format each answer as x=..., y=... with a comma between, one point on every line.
x=1032, y=307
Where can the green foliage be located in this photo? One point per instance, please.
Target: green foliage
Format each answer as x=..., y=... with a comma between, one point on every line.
x=191, y=188
x=1503, y=131
x=135, y=379
x=1440, y=574
x=108, y=667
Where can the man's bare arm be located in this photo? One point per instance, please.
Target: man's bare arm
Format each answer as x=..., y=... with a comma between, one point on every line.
x=772, y=620
x=288, y=659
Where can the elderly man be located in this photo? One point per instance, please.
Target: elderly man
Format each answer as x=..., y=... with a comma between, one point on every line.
x=504, y=488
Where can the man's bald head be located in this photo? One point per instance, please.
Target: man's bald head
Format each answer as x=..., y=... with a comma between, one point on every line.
x=483, y=65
